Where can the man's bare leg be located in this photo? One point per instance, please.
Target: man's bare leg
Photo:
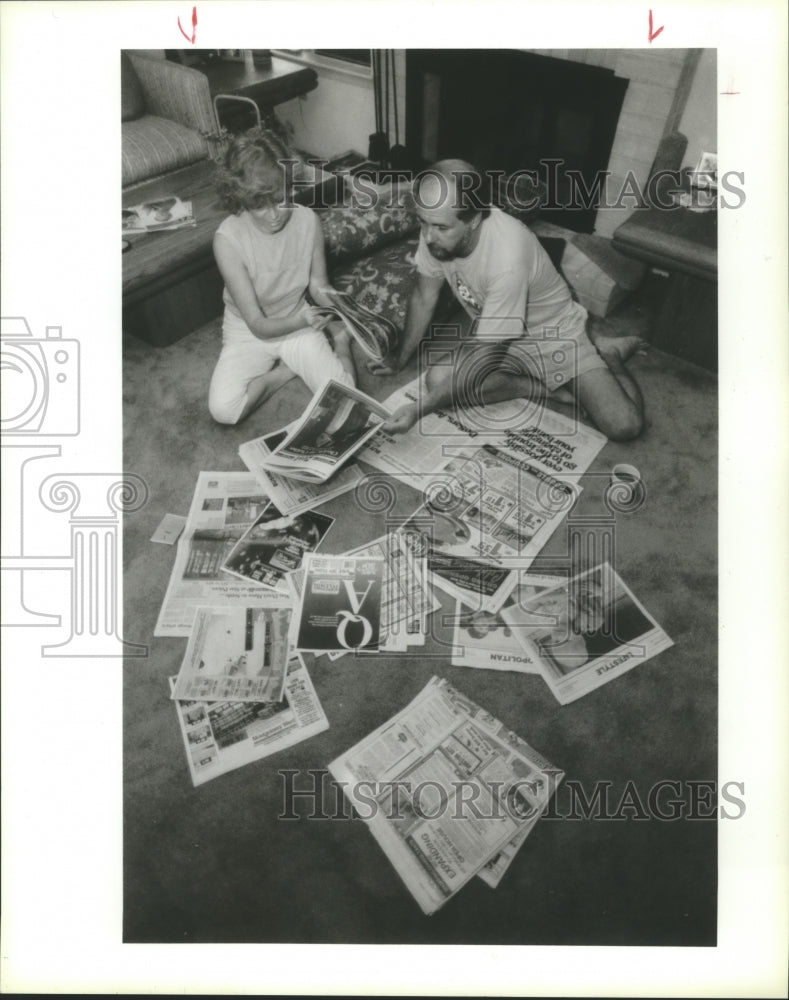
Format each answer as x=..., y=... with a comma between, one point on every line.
x=611, y=398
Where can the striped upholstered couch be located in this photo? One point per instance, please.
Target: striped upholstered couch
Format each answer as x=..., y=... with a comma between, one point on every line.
x=166, y=115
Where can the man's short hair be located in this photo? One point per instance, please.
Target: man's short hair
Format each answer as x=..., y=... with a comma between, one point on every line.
x=467, y=188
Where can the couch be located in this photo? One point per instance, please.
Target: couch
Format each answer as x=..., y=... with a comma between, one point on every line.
x=166, y=117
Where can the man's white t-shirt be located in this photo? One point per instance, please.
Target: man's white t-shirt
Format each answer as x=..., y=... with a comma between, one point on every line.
x=507, y=280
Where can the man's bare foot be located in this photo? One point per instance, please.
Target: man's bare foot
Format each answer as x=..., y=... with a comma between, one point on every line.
x=403, y=419
x=618, y=349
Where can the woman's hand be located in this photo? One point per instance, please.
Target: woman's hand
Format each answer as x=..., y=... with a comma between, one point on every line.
x=313, y=316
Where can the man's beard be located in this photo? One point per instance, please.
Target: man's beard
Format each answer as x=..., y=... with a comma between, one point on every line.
x=440, y=254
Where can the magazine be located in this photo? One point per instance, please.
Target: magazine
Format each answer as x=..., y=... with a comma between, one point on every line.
x=290, y=495
x=220, y=736
x=337, y=422
x=235, y=654
x=224, y=505
x=376, y=335
x=275, y=545
x=484, y=640
x=406, y=598
x=153, y=216
x=340, y=604
x=586, y=632
x=444, y=787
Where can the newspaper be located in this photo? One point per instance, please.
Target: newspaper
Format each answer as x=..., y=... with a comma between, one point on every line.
x=406, y=597
x=586, y=632
x=444, y=787
x=487, y=513
x=275, y=545
x=335, y=425
x=553, y=442
x=290, y=495
x=340, y=606
x=220, y=736
x=484, y=640
x=224, y=505
x=236, y=654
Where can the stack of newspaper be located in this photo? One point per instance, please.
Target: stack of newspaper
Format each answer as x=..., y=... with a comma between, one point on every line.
x=447, y=791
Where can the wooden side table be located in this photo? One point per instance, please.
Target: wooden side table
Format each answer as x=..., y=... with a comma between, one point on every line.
x=685, y=244
x=267, y=87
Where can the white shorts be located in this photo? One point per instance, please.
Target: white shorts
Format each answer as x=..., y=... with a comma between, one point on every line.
x=246, y=357
x=558, y=354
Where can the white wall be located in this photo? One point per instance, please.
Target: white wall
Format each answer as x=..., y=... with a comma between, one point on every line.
x=700, y=117
x=340, y=114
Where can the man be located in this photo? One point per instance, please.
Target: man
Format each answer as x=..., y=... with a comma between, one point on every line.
x=528, y=337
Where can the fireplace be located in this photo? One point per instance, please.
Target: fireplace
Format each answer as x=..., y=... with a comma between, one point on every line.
x=511, y=110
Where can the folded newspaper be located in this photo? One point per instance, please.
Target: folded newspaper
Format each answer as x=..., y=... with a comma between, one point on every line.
x=290, y=495
x=220, y=736
x=447, y=791
x=337, y=423
x=376, y=335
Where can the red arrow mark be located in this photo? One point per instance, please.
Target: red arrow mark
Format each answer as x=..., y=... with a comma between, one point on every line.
x=194, y=27
x=653, y=34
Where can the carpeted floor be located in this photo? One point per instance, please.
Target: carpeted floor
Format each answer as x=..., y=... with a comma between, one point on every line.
x=215, y=864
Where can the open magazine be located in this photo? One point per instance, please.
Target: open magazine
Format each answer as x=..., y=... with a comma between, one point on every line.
x=335, y=425
x=445, y=788
x=376, y=335
x=153, y=216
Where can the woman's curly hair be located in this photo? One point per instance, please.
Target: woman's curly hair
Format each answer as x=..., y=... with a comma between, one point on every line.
x=254, y=172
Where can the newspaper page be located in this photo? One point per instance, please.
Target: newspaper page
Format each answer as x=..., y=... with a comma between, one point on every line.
x=337, y=422
x=340, y=606
x=224, y=505
x=443, y=787
x=586, y=632
x=406, y=597
x=275, y=545
x=555, y=443
x=290, y=495
x=221, y=736
x=486, y=509
x=236, y=654
x=484, y=640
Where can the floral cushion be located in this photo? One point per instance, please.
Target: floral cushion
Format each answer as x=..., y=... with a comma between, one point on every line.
x=359, y=228
x=381, y=281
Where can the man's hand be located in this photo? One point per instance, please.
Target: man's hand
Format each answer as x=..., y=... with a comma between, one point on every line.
x=389, y=366
x=403, y=419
